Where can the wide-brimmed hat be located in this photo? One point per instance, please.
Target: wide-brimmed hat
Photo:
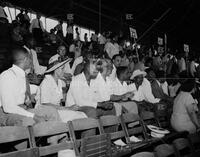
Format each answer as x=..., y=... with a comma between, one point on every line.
x=137, y=73
x=55, y=65
x=141, y=67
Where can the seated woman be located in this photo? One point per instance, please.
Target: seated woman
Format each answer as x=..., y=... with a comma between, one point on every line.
x=184, y=116
x=50, y=92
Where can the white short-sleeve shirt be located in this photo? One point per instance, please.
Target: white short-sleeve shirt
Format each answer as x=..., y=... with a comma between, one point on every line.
x=80, y=93
x=50, y=91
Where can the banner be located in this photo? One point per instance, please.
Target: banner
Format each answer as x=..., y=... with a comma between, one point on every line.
x=129, y=16
x=70, y=16
x=133, y=33
x=186, y=48
x=160, y=41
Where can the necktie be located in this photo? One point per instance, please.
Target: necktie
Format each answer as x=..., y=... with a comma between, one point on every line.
x=39, y=24
x=28, y=95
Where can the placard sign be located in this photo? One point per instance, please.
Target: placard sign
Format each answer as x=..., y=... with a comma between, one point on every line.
x=133, y=33
x=70, y=16
x=129, y=16
x=160, y=41
x=186, y=48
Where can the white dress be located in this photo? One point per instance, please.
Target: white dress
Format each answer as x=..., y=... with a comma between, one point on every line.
x=50, y=92
x=180, y=119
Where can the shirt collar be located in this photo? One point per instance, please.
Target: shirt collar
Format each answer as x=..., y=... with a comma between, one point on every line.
x=50, y=78
x=26, y=48
x=122, y=84
x=18, y=71
x=158, y=82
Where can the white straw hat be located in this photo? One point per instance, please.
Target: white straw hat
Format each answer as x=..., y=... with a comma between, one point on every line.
x=137, y=73
x=55, y=65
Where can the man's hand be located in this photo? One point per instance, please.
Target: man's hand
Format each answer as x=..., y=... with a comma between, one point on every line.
x=39, y=119
x=130, y=94
x=74, y=107
x=127, y=96
x=67, y=77
x=106, y=105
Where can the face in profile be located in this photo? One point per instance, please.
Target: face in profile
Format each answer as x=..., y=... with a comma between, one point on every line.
x=151, y=76
x=139, y=79
x=93, y=68
x=61, y=51
x=109, y=67
x=28, y=62
x=38, y=16
x=117, y=61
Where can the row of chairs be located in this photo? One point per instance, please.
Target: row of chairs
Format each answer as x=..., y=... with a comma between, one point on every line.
x=98, y=145
x=188, y=147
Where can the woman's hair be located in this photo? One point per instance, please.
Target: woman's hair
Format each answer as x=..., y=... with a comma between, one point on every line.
x=188, y=85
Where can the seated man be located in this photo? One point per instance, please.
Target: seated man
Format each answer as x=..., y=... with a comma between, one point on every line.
x=157, y=89
x=120, y=91
x=142, y=91
x=82, y=94
x=116, y=59
x=15, y=105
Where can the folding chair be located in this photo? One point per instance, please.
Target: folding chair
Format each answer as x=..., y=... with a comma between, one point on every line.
x=182, y=147
x=194, y=140
x=96, y=146
x=17, y=135
x=137, y=130
x=49, y=129
x=81, y=125
x=149, y=118
x=143, y=154
x=162, y=115
x=165, y=150
x=118, y=133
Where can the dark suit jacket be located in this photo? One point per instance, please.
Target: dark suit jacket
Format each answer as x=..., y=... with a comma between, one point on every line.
x=158, y=92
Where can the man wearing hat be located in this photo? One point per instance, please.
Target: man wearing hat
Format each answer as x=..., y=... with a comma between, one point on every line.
x=142, y=89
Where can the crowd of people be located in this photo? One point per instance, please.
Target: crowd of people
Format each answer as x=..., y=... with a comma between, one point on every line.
x=103, y=76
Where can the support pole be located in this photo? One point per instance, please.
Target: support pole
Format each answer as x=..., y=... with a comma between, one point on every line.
x=99, y=16
x=154, y=24
x=10, y=14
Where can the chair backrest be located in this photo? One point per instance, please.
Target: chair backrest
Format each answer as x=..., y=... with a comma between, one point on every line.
x=143, y=154
x=15, y=133
x=33, y=152
x=96, y=146
x=109, y=121
x=49, y=129
x=182, y=146
x=149, y=118
x=165, y=150
x=138, y=128
x=81, y=125
x=194, y=140
x=162, y=114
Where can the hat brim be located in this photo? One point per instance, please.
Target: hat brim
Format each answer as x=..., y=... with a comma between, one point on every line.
x=137, y=74
x=56, y=66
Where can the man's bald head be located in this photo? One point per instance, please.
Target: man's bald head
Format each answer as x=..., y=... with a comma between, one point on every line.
x=21, y=57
